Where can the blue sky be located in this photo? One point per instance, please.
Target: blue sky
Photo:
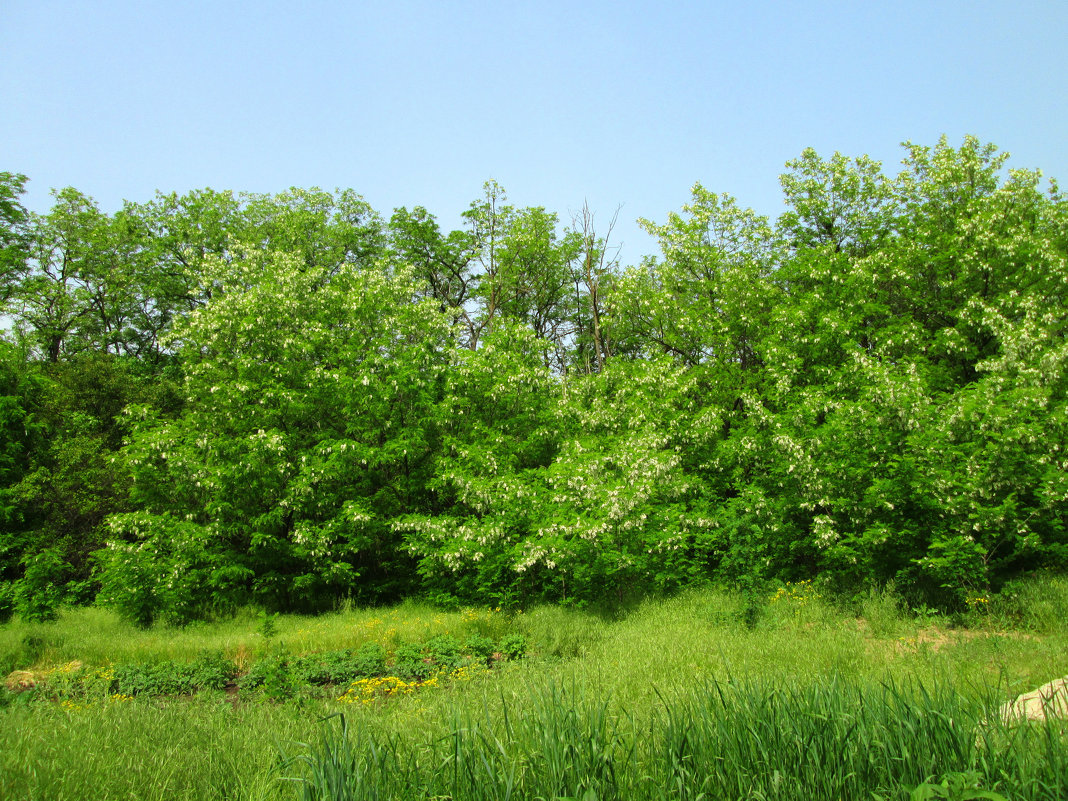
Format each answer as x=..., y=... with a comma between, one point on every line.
x=418, y=103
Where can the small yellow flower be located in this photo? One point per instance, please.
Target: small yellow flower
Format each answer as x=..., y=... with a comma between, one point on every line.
x=366, y=690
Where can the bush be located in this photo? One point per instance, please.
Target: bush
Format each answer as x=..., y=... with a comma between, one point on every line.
x=7, y=600
x=444, y=650
x=371, y=660
x=514, y=646
x=209, y=671
x=340, y=667
x=272, y=675
x=40, y=591
x=412, y=663
x=479, y=648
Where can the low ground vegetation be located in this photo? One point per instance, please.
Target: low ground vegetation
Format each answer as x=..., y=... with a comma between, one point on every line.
x=691, y=697
x=269, y=669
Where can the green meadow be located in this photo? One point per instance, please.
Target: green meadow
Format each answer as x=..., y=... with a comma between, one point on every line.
x=706, y=695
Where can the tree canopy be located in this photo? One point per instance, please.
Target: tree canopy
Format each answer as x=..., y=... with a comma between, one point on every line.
x=219, y=399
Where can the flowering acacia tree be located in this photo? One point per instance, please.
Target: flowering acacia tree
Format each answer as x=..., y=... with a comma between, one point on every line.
x=307, y=426
x=909, y=360
x=498, y=434
x=554, y=488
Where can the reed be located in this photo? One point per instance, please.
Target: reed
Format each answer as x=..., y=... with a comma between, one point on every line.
x=738, y=739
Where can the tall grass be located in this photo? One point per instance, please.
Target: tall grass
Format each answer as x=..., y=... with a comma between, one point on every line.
x=136, y=750
x=726, y=740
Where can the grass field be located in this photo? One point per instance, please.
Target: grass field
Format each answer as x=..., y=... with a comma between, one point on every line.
x=675, y=698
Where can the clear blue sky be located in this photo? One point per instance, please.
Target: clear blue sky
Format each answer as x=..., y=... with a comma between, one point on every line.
x=413, y=102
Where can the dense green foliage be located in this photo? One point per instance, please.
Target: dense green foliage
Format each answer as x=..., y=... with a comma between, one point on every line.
x=217, y=399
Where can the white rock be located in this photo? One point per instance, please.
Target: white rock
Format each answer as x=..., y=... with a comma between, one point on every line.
x=1049, y=700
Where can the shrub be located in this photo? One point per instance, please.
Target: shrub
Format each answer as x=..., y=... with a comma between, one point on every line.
x=341, y=667
x=412, y=663
x=209, y=671
x=514, y=646
x=371, y=660
x=444, y=650
x=272, y=675
x=7, y=600
x=39, y=593
x=479, y=648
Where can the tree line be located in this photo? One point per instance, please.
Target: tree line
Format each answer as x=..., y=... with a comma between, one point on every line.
x=216, y=399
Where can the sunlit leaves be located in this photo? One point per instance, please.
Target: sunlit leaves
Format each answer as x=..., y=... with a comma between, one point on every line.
x=14, y=233
x=306, y=421
x=871, y=387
